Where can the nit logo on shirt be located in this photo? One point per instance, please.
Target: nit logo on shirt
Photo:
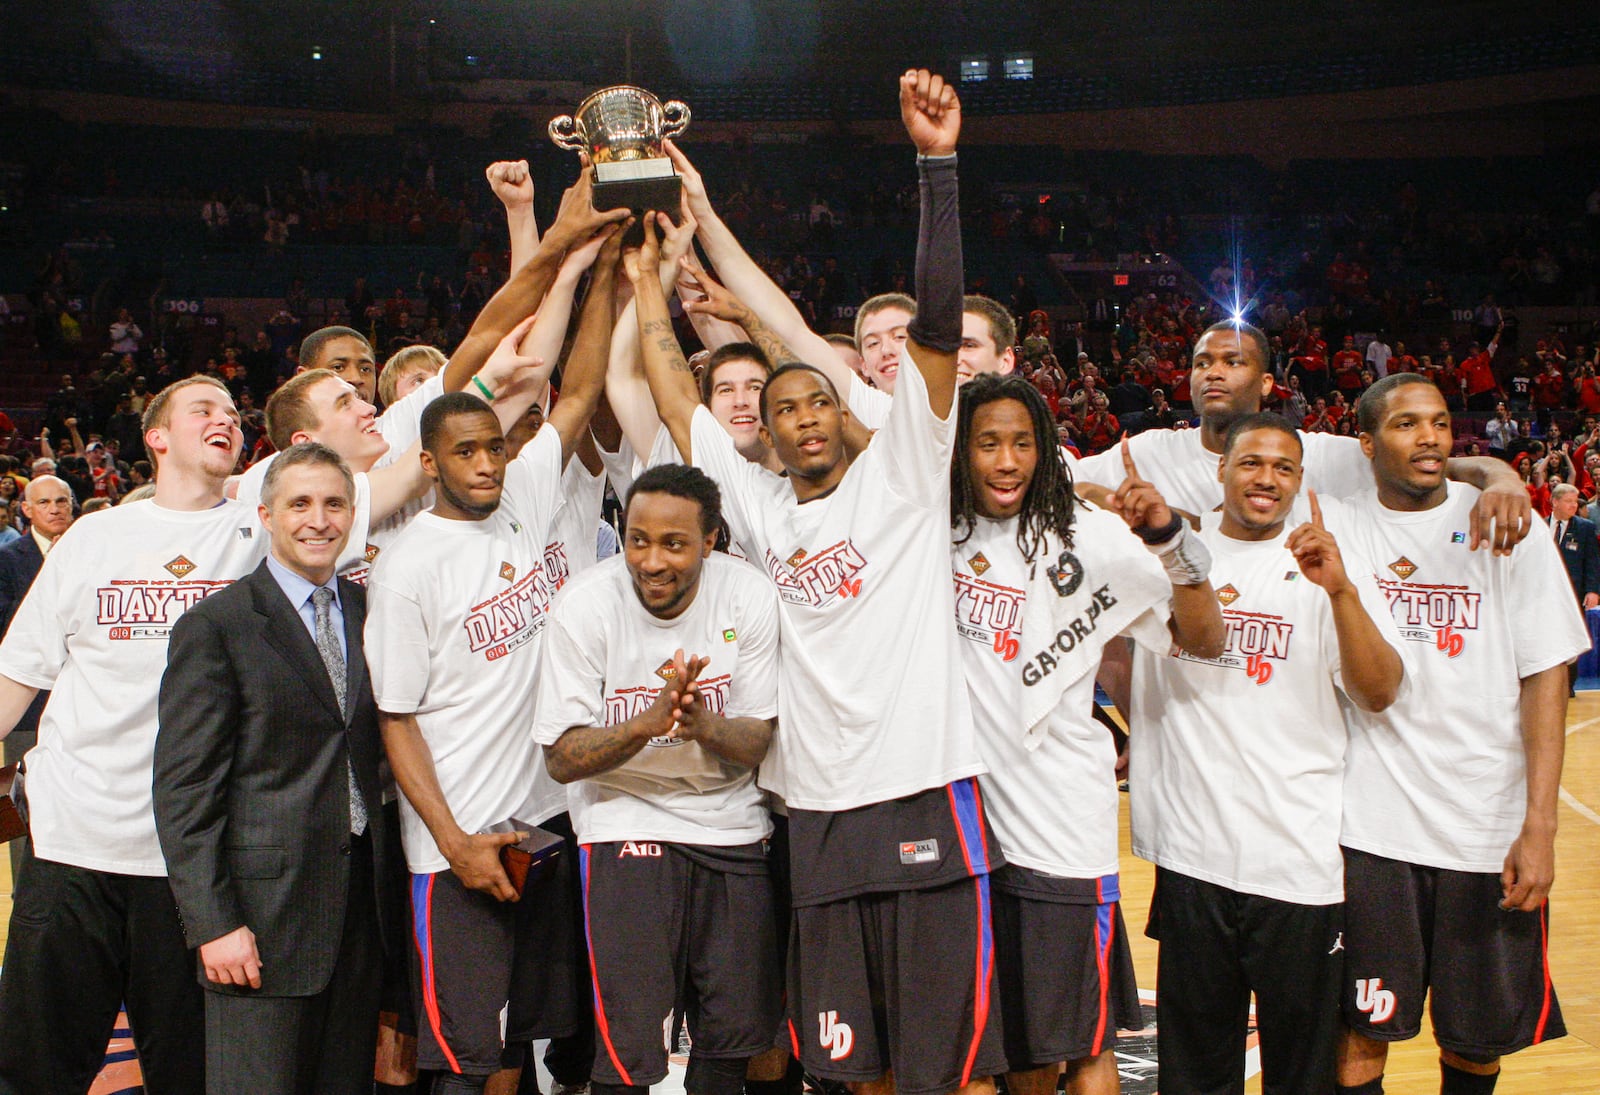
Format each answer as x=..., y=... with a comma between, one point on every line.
x=371, y=554
x=180, y=567
x=979, y=564
x=508, y=572
x=667, y=671
x=1404, y=567
x=817, y=578
x=1227, y=594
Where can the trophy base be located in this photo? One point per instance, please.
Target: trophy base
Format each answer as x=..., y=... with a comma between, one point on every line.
x=662, y=194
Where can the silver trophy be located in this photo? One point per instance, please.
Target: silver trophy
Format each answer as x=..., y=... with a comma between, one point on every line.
x=622, y=129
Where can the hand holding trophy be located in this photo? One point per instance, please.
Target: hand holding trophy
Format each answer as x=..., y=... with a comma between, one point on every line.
x=621, y=130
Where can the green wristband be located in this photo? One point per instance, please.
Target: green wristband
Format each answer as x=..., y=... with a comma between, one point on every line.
x=484, y=388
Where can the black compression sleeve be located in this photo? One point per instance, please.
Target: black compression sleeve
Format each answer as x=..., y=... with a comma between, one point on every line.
x=940, y=280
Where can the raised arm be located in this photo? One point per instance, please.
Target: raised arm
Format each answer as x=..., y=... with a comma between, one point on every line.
x=1371, y=668
x=717, y=304
x=932, y=116
x=576, y=223
x=672, y=384
x=584, y=377
x=513, y=185
x=750, y=283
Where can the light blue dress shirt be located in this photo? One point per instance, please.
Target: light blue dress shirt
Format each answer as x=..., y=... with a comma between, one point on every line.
x=299, y=592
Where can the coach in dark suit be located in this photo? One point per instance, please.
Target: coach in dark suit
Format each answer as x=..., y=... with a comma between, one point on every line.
x=47, y=503
x=1575, y=539
x=268, y=803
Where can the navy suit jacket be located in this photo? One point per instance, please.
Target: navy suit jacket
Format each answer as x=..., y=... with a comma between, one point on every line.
x=20, y=561
x=1580, y=550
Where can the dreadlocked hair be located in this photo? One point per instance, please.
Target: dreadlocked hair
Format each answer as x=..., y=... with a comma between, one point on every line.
x=1048, y=504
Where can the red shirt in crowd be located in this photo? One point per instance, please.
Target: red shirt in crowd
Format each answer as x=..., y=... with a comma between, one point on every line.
x=1479, y=374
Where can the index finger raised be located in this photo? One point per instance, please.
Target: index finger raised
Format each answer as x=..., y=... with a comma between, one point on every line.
x=1316, y=510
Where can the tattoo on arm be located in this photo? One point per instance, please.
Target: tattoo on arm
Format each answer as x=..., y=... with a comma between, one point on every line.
x=775, y=348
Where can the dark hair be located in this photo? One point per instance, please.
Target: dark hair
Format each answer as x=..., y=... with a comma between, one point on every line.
x=1261, y=420
x=1244, y=330
x=1375, y=400
x=1048, y=505
x=445, y=407
x=313, y=343
x=795, y=367
x=1002, y=325
x=681, y=481
x=308, y=453
x=732, y=351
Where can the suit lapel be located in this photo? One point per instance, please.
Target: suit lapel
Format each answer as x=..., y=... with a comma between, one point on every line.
x=286, y=633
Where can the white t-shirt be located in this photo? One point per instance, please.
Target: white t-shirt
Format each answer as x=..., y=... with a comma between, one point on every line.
x=603, y=658
x=1439, y=778
x=358, y=552
x=93, y=629
x=573, y=546
x=1237, y=763
x=872, y=705
x=401, y=426
x=1053, y=808
x=1185, y=471
x=869, y=405
x=456, y=612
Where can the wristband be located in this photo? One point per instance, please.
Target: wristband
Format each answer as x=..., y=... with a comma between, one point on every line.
x=1185, y=557
x=484, y=388
x=1154, y=536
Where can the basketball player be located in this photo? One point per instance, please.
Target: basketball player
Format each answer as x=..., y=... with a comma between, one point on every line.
x=1230, y=380
x=1450, y=794
x=1236, y=773
x=1065, y=969
x=457, y=611
x=657, y=696
x=890, y=850
x=94, y=926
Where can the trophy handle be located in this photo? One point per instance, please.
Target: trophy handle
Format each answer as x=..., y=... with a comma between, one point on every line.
x=564, y=132
x=677, y=117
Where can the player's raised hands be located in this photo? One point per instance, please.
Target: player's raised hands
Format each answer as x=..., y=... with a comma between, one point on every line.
x=717, y=301
x=1137, y=501
x=507, y=363
x=578, y=220
x=643, y=261
x=931, y=112
x=694, y=187
x=676, y=239
x=511, y=182
x=1317, y=553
